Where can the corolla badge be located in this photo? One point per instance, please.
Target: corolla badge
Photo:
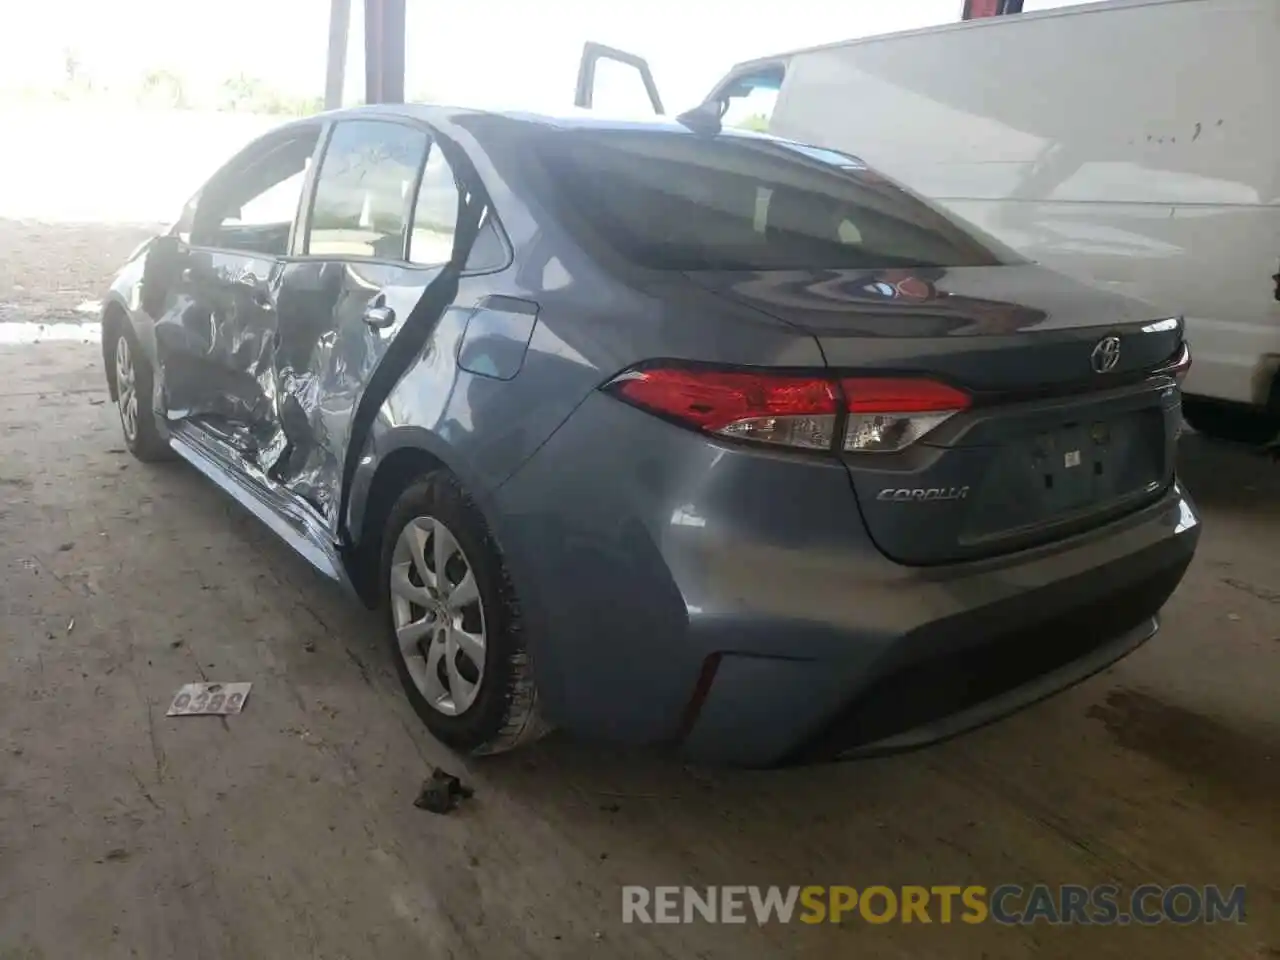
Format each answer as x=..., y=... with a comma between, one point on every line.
x=922, y=494
x=1105, y=355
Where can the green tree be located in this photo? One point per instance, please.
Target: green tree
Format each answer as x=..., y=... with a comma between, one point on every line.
x=76, y=81
x=164, y=88
x=757, y=122
x=241, y=92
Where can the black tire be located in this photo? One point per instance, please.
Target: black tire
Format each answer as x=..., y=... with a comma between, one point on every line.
x=504, y=714
x=1222, y=421
x=146, y=443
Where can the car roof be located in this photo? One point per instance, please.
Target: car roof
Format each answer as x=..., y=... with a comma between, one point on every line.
x=572, y=118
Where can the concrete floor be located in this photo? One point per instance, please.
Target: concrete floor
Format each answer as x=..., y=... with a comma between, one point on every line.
x=290, y=831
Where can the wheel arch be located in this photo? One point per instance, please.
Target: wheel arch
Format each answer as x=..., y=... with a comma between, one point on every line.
x=392, y=461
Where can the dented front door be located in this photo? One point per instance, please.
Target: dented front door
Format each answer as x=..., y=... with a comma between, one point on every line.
x=216, y=323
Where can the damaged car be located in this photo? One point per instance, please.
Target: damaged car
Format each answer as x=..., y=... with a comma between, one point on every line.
x=660, y=433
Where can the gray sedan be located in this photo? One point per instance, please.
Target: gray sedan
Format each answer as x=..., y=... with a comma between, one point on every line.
x=661, y=434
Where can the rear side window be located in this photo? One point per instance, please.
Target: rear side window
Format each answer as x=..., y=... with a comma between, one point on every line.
x=435, y=214
x=364, y=189
x=679, y=201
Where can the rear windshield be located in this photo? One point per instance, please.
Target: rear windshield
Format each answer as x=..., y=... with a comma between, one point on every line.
x=678, y=201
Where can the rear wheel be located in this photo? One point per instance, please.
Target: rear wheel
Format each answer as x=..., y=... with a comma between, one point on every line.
x=134, y=381
x=453, y=621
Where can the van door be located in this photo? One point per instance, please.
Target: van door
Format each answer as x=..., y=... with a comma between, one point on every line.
x=745, y=97
x=588, y=74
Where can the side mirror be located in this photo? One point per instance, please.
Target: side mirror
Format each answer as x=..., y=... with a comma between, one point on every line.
x=165, y=260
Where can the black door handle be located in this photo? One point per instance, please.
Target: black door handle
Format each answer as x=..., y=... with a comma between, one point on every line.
x=379, y=316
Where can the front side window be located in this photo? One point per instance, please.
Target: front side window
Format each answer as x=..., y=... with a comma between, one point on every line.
x=251, y=206
x=681, y=201
x=363, y=190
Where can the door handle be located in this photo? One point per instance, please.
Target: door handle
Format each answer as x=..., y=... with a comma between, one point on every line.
x=379, y=316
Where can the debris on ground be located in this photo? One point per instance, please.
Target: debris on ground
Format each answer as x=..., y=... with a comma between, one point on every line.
x=209, y=699
x=71, y=624
x=309, y=646
x=441, y=792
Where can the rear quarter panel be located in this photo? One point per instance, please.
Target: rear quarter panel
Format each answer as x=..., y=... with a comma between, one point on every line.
x=596, y=315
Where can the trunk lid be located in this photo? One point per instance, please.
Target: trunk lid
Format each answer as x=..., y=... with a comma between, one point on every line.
x=1070, y=425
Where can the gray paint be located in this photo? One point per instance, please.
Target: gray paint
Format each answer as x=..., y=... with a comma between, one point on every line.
x=497, y=337
x=638, y=548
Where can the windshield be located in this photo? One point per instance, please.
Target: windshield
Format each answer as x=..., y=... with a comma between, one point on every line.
x=677, y=201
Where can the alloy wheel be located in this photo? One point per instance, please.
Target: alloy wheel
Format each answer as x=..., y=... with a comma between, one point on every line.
x=126, y=389
x=438, y=615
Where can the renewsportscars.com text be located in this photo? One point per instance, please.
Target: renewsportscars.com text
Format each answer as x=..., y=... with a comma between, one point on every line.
x=1004, y=904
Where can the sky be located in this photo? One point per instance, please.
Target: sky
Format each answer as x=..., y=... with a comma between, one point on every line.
x=482, y=52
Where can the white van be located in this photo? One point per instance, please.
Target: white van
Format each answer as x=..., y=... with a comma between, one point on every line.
x=1134, y=144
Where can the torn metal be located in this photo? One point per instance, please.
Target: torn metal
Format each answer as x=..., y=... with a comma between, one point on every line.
x=274, y=365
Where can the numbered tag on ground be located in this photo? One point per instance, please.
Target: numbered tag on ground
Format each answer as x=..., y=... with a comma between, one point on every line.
x=209, y=699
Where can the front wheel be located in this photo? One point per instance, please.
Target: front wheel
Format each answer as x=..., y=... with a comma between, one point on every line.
x=134, y=381
x=453, y=621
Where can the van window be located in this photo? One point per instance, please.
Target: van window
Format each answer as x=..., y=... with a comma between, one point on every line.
x=681, y=201
x=752, y=111
x=750, y=100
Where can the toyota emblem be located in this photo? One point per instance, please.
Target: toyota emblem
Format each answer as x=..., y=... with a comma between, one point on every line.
x=1105, y=355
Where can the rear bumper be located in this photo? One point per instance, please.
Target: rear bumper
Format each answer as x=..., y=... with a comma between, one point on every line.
x=657, y=556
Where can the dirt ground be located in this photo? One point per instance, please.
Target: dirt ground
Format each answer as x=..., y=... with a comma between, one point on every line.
x=290, y=831
x=49, y=269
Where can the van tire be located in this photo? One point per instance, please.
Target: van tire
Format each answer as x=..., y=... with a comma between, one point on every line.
x=1232, y=422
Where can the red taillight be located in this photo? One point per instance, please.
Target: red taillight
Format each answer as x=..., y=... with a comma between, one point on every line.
x=883, y=413
x=901, y=395
x=1180, y=364
x=786, y=410
x=890, y=413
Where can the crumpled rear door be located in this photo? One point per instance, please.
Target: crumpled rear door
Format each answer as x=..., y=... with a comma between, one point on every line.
x=360, y=306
